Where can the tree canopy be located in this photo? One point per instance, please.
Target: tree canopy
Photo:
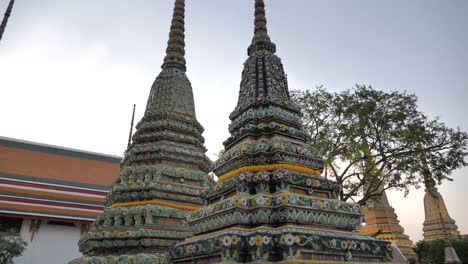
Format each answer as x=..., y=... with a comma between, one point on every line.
x=432, y=252
x=375, y=140
x=11, y=245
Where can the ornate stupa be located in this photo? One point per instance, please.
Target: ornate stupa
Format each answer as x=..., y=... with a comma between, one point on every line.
x=163, y=173
x=270, y=203
x=380, y=215
x=438, y=224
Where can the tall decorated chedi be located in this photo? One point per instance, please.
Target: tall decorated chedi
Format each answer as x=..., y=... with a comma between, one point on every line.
x=437, y=224
x=270, y=203
x=163, y=173
x=380, y=216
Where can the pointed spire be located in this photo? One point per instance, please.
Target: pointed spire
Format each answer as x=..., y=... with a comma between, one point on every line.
x=260, y=31
x=261, y=39
x=175, y=51
x=5, y=18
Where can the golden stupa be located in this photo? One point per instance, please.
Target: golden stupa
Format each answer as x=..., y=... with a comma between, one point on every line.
x=380, y=215
x=437, y=224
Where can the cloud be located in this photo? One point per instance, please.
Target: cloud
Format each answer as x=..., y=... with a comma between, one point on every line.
x=58, y=94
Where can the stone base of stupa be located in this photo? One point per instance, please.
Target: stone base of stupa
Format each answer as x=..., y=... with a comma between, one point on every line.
x=288, y=244
x=121, y=259
x=436, y=231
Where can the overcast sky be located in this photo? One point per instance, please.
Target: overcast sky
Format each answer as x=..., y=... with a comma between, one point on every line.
x=70, y=71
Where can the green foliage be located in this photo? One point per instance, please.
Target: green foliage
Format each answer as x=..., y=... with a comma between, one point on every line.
x=432, y=252
x=374, y=140
x=10, y=246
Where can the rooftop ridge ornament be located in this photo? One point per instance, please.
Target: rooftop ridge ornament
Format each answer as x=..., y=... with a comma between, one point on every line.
x=261, y=40
x=5, y=18
x=175, y=52
x=131, y=128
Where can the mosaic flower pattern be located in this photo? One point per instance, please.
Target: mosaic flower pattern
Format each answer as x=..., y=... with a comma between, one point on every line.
x=291, y=241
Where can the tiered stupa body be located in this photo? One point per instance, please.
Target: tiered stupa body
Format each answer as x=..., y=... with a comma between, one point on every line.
x=270, y=203
x=437, y=224
x=380, y=215
x=162, y=175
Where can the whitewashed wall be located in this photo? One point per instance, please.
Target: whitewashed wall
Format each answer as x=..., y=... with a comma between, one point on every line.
x=52, y=244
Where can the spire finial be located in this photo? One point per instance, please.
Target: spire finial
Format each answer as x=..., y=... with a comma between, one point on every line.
x=175, y=51
x=261, y=39
x=5, y=18
x=261, y=31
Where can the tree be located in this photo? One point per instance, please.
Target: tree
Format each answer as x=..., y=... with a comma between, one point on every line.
x=374, y=140
x=432, y=252
x=10, y=246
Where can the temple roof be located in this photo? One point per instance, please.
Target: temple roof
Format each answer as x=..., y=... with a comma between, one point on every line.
x=50, y=182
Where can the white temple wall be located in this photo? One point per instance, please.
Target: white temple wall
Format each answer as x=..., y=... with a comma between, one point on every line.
x=51, y=244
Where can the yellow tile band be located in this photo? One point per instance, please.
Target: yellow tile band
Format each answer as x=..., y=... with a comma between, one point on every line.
x=269, y=167
x=158, y=202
